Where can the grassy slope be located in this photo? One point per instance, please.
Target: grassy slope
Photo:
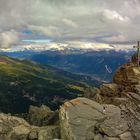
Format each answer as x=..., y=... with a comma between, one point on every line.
x=23, y=83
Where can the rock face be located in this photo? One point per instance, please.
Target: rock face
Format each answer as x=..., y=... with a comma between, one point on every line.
x=84, y=119
x=42, y=116
x=110, y=90
x=14, y=128
x=117, y=118
x=93, y=93
x=134, y=59
x=127, y=76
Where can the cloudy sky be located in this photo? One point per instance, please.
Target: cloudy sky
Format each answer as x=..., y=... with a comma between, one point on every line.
x=70, y=22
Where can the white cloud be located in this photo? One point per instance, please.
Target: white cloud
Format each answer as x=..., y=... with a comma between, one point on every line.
x=70, y=23
x=8, y=38
x=113, y=15
x=36, y=46
x=115, y=38
x=99, y=21
x=50, y=31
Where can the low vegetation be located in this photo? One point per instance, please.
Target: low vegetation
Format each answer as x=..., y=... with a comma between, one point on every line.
x=25, y=83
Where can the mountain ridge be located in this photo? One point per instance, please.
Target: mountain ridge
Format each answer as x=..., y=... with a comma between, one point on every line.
x=86, y=62
x=23, y=83
x=110, y=112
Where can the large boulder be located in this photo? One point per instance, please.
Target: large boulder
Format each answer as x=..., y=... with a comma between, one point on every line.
x=42, y=116
x=13, y=128
x=110, y=90
x=49, y=133
x=45, y=133
x=127, y=76
x=84, y=119
x=132, y=113
x=93, y=94
x=112, y=94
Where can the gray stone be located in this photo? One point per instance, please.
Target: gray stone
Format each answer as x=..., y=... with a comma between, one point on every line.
x=93, y=93
x=126, y=136
x=109, y=90
x=13, y=128
x=42, y=116
x=33, y=135
x=49, y=133
x=85, y=119
x=110, y=138
x=98, y=137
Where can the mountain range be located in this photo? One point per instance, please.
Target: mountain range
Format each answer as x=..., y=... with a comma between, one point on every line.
x=24, y=83
x=99, y=65
x=53, y=76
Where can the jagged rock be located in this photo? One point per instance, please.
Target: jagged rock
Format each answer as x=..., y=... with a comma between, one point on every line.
x=41, y=116
x=33, y=135
x=131, y=113
x=110, y=90
x=45, y=133
x=100, y=137
x=127, y=76
x=119, y=101
x=49, y=133
x=109, y=138
x=126, y=136
x=137, y=89
x=20, y=132
x=93, y=94
x=135, y=97
x=85, y=119
x=13, y=128
x=134, y=59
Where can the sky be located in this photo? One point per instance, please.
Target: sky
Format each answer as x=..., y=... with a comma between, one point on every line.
x=73, y=23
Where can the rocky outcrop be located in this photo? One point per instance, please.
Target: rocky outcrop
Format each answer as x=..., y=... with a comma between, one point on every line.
x=93, y=93
x=14, y=128
x=127, y=76
x=84, y=119
x=110, y=90
x=111, y=113
x=134, y=59
x=116, y=117
x=42, y=116
x=131, y=111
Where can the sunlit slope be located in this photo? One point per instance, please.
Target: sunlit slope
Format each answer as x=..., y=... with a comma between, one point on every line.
x=23, y=83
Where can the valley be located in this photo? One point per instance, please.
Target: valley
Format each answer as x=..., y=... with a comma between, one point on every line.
x=24, y=83
x=99, y=66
